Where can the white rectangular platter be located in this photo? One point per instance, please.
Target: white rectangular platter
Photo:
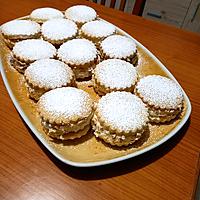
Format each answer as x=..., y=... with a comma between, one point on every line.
x=88, y=151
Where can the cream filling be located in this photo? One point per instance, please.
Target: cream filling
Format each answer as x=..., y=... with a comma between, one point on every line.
x=81, y=73
x=68, y=127
x=113, y=138
x=9, y=43
x=20, y=66
x=11, y=40
x=158, y=115
x=60, y=129
x=133, y=59
x=57, y=131
x=35, y=93
x=102, y=90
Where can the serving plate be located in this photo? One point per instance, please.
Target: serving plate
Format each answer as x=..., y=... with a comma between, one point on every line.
x=89, y=151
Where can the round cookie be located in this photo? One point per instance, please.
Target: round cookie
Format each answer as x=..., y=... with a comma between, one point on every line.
x=114, y=75
x=47, y=74
x=121, y=47
x=80, y=55
x=28, y=51
x=65, y=112
x=41, y=15
x=17, y=30
x=58, y=31
x=120, y=118
x=162, y=95
x=97, y=30
x=80, y=14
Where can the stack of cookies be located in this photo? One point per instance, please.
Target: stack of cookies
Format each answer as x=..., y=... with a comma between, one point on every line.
x=114, y=75
x=54, y=50
x=42, y=15
x=65, y=112
x=162, y=96
x=47, y=74
x=58, y=31
x=97, y=30
x=17, y=30
x=120, y=118
x=27, y=51
x=80, y=55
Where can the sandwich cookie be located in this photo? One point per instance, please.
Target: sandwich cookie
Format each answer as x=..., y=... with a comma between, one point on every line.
x=58, y=31
x=97, y=30
x=80, y=14
x=121, y=47
x=65, y=112
x=163, y=97
x=80, y=55
x=17, y=30
x=120, y=118
x=114, y=75
x=47, y=74
x=41, y=15
x=28, y=51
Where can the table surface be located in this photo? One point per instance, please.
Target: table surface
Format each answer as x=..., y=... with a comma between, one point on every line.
x=29, y=171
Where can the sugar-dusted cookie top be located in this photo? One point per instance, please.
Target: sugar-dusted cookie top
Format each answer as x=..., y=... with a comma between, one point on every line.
x=48, y=73
x=44, y=14
x=160, y=92
x=118, y=46
x=33, y=49
x=98, y=29
x=77, y=51
x=80, y=13
x=115, y=73
x=66, y=104
x=122, y=111
x=16, y=28
x=59, y=29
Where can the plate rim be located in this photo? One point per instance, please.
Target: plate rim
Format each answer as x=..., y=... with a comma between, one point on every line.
x=109, y=161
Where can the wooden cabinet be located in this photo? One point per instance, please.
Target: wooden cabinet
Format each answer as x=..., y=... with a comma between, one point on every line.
x=180, y=13
x=192, y=19
x=184, y=14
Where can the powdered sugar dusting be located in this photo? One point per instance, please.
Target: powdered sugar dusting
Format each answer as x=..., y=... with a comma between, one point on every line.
x=77, y=51
x=160, y=91
x=58, y=29
x=49, y=73
x=115, y=73
x=80, y=13
x=34, y=49
x=118, y=46
x=123, y=111
x=66, y=102
x=46, y=13
x=20, y=27
x=98, y=28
